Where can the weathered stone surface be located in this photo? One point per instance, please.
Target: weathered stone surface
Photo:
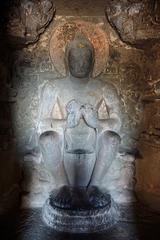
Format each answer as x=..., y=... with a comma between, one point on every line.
x=28, y=19
x=135, y=222
x=67, y=126
x=120, y=179
x=33, y=70
x=148, y=164
x=80, y=210
x=67, y=31
x=134, y=73
x=137, y=22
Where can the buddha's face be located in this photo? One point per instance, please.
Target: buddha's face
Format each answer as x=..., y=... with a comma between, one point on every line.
x=80, y=60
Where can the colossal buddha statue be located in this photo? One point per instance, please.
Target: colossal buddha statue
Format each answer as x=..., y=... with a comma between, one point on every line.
x=79, y=121
x=77, y=134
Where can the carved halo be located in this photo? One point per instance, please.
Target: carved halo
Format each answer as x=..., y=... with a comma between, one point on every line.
x=66, y=32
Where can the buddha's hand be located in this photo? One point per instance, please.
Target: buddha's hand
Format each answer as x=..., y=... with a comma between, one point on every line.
x=74, y=114
x=90, y=115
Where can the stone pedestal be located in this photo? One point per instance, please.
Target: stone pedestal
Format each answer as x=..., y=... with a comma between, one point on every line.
x=79, y=210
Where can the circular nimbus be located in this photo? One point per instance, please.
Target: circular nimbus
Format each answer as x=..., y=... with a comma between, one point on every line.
x=66, y=32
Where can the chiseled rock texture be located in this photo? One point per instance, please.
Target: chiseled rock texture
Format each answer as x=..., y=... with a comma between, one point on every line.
x=132, y=29
x=27, y=20
x=136, y=22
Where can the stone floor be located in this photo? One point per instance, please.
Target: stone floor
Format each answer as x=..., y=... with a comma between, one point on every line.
x=29, y=226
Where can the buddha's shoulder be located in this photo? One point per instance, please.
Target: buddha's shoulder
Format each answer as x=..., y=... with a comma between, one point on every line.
x=54, y=84
x=101, y=83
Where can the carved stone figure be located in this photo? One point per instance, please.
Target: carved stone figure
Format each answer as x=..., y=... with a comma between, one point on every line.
x=136, y=22
x=79, y=121
x=28, y=19
x=77, y=135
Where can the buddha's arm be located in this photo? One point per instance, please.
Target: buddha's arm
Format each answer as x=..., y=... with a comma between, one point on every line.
x=47, y=102
x=113, y=123
x=47, y=119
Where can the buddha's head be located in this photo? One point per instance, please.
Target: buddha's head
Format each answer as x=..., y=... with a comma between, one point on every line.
x=80, y=57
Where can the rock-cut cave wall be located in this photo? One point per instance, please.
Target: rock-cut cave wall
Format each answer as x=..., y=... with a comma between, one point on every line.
x=133, y=66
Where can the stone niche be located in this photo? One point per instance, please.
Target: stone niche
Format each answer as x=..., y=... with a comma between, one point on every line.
x=43, y=71
x=37, y=65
